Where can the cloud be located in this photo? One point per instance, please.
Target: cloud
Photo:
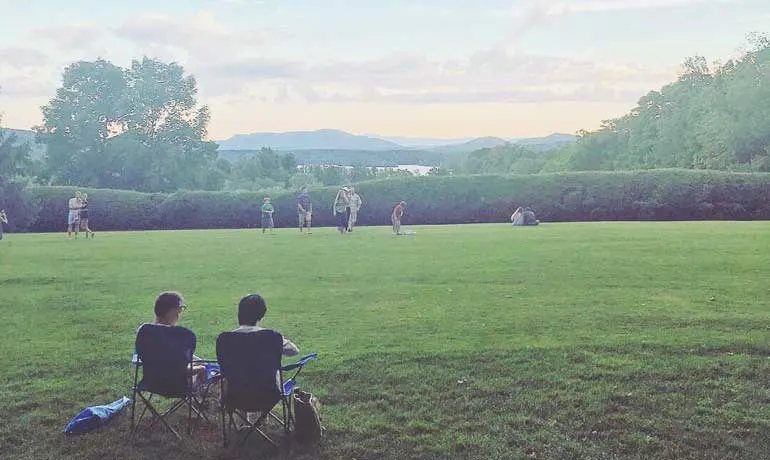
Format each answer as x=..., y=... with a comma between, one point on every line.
x=202, y=36
x=488, y=76
x=28, y=83
x=70, y=37
x=20, y=58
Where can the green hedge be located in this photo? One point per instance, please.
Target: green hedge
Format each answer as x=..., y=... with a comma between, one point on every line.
x=107, y=209
x=585, y=196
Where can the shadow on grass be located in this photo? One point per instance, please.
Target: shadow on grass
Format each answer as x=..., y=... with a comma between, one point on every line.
x=638, y=402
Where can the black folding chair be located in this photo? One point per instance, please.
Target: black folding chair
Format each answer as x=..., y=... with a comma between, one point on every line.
x=253, y=381
x=165, y=356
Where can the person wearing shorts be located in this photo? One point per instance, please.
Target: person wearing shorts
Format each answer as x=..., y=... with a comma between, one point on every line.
x=355, y=206
x=395, y=217
x=83, y=214
x=73, y=216
x=3, y=220
x=267, y=215
x=304, y=210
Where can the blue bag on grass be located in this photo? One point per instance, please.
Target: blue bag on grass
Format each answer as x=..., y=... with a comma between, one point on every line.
x=93, y=417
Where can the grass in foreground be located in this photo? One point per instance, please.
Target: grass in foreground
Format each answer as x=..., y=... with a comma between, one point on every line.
x=603, y=341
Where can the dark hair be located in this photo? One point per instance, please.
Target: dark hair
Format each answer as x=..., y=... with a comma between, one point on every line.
x=251, y=309
x=166, y=302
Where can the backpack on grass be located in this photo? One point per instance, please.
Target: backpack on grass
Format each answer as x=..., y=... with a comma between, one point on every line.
x=307, y=422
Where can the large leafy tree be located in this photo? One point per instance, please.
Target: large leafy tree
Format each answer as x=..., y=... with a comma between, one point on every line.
x=713, y=117
x=137, y=128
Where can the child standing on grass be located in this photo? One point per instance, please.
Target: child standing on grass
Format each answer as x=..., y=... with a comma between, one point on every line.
x=395, y=217
x=267, y=215
x=3, y=220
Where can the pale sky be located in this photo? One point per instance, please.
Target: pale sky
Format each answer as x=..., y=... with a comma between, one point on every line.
x=433, y=68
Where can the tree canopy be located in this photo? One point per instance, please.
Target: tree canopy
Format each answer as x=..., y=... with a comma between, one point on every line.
x=138, y=128
x=713, y=117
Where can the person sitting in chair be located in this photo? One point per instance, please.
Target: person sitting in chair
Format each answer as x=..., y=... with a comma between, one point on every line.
x=251, y=311
x=169, y=306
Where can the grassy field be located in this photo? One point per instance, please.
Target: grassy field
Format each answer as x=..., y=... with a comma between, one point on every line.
x=566, y=341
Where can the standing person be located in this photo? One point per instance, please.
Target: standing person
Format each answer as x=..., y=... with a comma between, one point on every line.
x=355, y=206
x=83, y=214
x=267, y=215
x=304, y=210
x=73, y=217
x=3, y=220
x=340, y=209
x=395, y=217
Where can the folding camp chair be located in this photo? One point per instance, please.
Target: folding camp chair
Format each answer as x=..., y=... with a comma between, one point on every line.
x=253, y=381
x=165, y=356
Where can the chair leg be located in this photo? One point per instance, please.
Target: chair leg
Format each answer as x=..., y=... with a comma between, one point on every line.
x=157, y=416
x=224, y=429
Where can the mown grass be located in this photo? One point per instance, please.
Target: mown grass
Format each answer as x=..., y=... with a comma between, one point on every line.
x=566, y=341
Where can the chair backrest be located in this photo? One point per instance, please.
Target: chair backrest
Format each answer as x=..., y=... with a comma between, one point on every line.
x=249, y=362
x=165, y=353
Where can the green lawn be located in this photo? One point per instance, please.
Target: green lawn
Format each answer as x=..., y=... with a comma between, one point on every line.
x=565, y=341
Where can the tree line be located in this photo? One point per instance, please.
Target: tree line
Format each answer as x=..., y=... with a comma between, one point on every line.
x=141, y=128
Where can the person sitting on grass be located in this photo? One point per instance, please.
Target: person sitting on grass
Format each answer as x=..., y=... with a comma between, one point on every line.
x=524, y=217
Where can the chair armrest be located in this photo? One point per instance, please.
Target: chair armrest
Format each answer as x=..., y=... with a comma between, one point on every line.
x=304, y=360
x=205, y=361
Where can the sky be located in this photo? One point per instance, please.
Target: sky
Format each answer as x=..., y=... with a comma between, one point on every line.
x=422, y=68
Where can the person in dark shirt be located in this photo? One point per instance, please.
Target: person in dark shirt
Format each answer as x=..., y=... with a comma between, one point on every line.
x=84, y=215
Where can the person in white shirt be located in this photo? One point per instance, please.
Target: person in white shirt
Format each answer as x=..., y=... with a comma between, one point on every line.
x=3, y=220
x=73, y=217
x=355, y=206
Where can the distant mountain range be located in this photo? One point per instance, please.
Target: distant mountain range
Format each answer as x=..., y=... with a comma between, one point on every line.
x=335, y=140
x=330, y=139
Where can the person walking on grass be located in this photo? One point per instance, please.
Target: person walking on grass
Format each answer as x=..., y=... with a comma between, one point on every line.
x=3, y=220
x=73, y=216
x=355, y=206
x=341, y=203
x=304, y=210
x=395, y=217
x=267, y=215
x=83, y=214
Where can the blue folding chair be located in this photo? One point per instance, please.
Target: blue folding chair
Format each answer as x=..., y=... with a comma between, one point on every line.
x=165, y=356
x=253, y=381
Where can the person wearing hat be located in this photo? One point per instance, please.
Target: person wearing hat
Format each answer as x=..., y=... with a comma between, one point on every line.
x=267, y=215
x=341, y=208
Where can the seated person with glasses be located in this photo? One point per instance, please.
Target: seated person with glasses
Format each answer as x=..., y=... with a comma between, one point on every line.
x=168, y=309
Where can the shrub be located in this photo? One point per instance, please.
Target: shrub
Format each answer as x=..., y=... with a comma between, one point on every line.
x=558, y=197
x=107, y=209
